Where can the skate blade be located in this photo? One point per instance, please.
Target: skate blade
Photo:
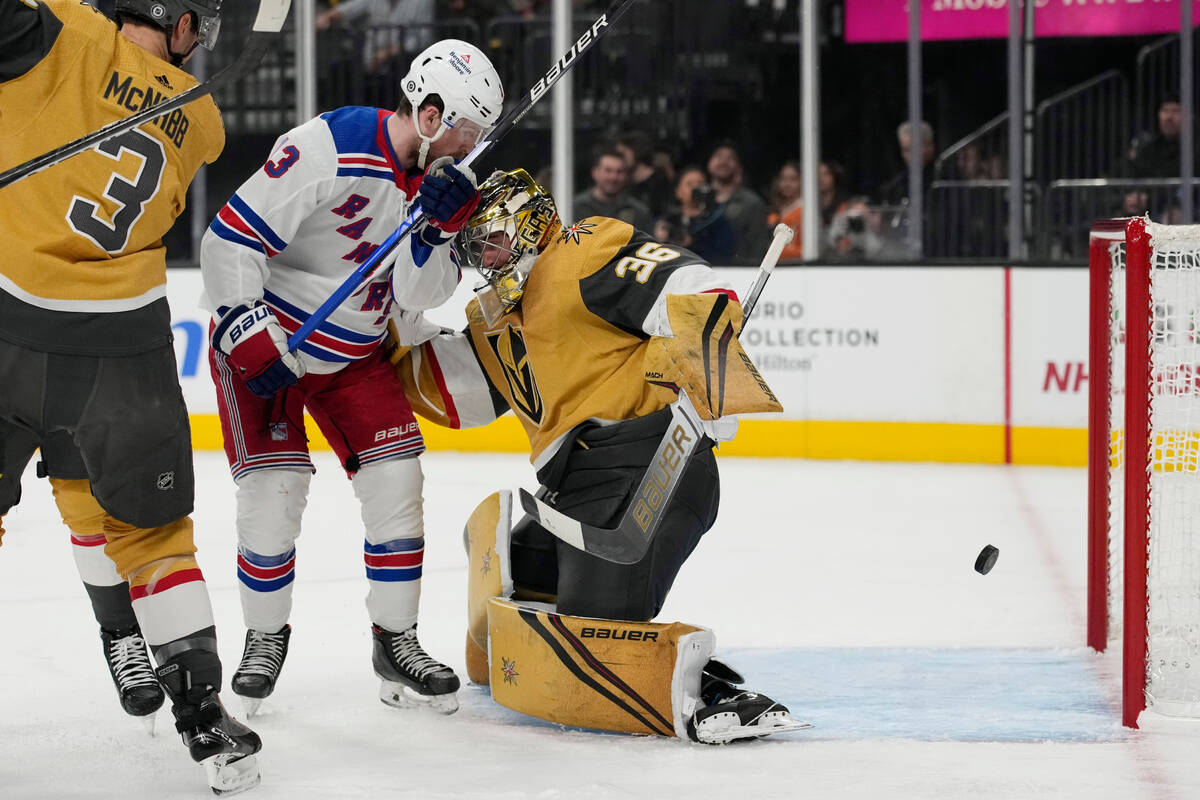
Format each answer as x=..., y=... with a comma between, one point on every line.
x=727, y=727
x=229, y=776
x=251, y=705
x=148, y=723
x=398, y=695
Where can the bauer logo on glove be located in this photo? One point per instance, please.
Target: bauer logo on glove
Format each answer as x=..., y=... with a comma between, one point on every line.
x=256, y=346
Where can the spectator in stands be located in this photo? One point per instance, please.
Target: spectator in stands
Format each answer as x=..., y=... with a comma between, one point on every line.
x=787, y=206
x=785, y=201
x=392, y=28
x=646, y=183
x=480, y=12
x=1158, y=155
x=609, y=195
x=744, y=209
x=895, y=191
x=855, y=232
x=698, y=222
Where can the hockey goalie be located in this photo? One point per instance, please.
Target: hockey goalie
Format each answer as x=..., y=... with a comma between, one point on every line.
x=589, y=333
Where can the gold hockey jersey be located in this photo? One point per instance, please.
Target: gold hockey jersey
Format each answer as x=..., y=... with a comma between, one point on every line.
x=83, y=267
x=574, y=348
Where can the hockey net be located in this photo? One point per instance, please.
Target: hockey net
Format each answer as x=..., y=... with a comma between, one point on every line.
x=1143, y=465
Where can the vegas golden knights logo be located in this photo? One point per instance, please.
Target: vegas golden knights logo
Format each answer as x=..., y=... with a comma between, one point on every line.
x=509, y=348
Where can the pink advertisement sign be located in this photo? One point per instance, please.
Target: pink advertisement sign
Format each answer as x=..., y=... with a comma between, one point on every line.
x=887, y=20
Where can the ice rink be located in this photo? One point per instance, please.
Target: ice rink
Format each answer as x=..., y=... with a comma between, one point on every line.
x=844, y=590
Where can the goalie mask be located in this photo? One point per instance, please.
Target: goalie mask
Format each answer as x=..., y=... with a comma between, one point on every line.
x=511, y=226
x=165, y=13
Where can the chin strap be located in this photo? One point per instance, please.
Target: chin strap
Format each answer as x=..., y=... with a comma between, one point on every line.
x=177, y=59
x=423, y=153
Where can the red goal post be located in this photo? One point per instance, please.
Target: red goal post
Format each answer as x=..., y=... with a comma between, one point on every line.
x=1143, y=466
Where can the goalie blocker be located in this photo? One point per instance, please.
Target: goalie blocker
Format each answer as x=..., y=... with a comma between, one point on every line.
x=628, y=677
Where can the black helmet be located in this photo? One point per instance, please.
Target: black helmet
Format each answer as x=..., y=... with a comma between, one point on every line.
x=165, y=13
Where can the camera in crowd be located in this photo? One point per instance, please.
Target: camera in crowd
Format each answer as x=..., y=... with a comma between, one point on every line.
x=705, y=197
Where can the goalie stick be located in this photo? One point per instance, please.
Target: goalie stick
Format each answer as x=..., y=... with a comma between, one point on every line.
x=266, y=31
x=627, y=543
x=506, y=123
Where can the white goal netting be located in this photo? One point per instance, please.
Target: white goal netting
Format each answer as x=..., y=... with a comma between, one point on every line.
x=1173, y=556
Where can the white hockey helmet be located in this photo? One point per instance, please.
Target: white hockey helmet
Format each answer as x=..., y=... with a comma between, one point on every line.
x=469, y=87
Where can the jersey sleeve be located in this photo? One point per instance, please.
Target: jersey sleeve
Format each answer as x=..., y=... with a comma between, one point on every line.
x=424, y=276
x=27, y=32
x=264, y=214
x=445, y=383
x=630, y=290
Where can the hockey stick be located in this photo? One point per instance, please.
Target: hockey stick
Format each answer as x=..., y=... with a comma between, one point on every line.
x=627, y=543
x=504, y=125
x=271, y=16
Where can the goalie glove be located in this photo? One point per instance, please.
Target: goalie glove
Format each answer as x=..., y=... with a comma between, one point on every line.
x=256, y=346
x=448, y=196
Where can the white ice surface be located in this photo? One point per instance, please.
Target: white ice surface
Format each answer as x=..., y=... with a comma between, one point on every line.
x=845, y=590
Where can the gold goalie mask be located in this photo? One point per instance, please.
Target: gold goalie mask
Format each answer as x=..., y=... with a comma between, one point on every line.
x=511, y=226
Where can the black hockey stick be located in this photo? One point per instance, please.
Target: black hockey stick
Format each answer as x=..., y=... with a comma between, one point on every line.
x=627, y=543
x=506, y=123
x=271, y=16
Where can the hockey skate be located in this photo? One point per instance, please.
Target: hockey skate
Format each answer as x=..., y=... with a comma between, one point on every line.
x=133, y=674
x=262, y=659
x=410, y=678
x=222, y=744
x=730, y=713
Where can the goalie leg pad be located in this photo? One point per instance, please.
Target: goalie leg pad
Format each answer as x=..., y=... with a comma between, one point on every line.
x=629, y=677
x=704, y=358
x=486, y=537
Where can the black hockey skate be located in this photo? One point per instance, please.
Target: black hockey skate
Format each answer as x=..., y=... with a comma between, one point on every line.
x=222, y=744
x=410, y=678
x=730, y=713
x=262, y=659
x=132, y=673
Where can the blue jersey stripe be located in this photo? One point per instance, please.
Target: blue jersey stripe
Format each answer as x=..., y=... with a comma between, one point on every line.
x=230, y=235
x=326, y=327
x=257, y=222
x=394, y=575
x=273, y=585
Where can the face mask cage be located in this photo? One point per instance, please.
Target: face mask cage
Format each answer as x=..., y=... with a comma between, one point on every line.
x=515, y=221
x=208, y=31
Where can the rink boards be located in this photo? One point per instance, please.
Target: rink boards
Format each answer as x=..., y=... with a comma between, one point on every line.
x=985, y=365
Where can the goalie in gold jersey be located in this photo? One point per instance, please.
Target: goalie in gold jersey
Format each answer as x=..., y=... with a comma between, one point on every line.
x=87, y=366
x=587, y=333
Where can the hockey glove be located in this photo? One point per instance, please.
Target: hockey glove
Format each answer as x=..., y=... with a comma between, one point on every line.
x=257, y=348
x=448, y=196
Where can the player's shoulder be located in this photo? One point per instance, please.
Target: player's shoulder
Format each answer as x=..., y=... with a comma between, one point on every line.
x=355, y=129
x=80, y=19
x=590, y=243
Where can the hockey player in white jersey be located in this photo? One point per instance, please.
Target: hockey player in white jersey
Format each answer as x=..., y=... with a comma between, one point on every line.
x=332, y=190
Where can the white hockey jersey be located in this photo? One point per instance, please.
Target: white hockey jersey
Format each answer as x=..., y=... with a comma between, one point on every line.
x=329, y=195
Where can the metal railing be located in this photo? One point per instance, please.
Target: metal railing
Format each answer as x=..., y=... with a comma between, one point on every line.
x=1084, y=132
x=967, y=219
x=1071, y=206
x=988, y=140
x=1157, y=76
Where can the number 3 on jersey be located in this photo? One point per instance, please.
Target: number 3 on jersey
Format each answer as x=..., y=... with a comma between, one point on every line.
x=649, y=256
x=131, y=197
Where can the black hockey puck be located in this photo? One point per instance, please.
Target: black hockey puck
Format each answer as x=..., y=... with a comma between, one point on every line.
x=986, y=560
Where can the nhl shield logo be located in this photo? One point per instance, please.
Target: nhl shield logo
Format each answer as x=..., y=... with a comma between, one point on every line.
x=165, y=482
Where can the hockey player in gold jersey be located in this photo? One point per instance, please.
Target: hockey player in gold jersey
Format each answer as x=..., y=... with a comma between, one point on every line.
x=87, y=367
x=588, y=333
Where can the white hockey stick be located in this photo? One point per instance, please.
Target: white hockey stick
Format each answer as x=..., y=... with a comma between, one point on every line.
x=628, y=542
x=267, y=25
